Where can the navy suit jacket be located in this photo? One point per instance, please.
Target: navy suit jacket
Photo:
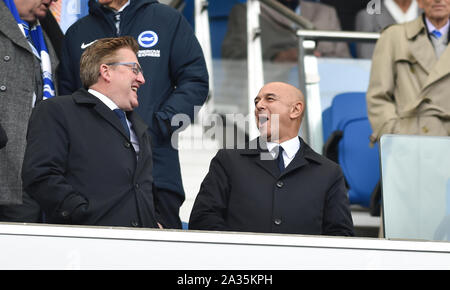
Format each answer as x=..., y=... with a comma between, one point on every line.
x=242, y=192
x=82, y=168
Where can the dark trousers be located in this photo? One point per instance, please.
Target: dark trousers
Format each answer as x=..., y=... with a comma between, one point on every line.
x=168, y=208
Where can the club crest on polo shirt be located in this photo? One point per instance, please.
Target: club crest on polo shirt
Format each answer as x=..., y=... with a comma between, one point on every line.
x=148, y=39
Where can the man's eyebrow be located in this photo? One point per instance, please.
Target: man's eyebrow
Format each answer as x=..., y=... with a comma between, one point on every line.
x=266, y=95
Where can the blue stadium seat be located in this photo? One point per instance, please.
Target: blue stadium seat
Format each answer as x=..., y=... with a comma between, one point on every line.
x=218, y=11
x=348, y=144
x=326, y=123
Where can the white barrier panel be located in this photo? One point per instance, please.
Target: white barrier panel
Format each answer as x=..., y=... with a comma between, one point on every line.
x=37, y=246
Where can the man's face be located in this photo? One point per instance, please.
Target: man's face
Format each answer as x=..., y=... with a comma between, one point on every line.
x=42, y=10
x=26, y=9
x=273, y=108
x=125, y=80
x=435, y=9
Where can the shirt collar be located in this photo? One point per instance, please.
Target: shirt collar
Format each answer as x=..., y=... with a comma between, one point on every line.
x=107, y=101
x=124, y=6
x=443, y=29
x=290, y=146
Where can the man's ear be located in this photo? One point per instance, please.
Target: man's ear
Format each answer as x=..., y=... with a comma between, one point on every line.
x=104, y=72
x=297, y=110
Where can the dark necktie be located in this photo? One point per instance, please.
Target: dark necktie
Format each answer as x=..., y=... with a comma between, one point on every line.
x=280, y=159
x=117, y=22
x=123, y=120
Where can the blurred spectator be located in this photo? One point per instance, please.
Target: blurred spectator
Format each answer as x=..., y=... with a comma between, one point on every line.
x=390, y=12
x=50, y=25
x=27, y=77
x=175, y=70
x=346, y=10
x=410, y=76
x=278, y=39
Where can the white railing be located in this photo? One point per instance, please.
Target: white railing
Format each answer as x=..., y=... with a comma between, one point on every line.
x=39, y=246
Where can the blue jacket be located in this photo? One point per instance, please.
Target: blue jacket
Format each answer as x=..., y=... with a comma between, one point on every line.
x=174, y=70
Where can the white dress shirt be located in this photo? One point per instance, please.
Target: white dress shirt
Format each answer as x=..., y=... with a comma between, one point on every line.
x=290, y=148
x=110, y=104
x=443, y=30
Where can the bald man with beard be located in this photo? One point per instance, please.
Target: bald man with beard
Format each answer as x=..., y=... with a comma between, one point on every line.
x=278, y=184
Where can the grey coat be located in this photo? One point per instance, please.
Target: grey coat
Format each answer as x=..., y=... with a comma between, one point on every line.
x=19, y=76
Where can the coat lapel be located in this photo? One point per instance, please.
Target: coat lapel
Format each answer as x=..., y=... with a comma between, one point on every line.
x=261, y=156
x=83, y=97
x=422, y=50
x=420, y=45
x=440, y=69
x=302, y=158
x=264, y=160
x=10, y=28
x=139, y=127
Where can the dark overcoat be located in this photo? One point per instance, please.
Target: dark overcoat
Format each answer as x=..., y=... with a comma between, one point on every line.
x=244, y=192
x=82, y=168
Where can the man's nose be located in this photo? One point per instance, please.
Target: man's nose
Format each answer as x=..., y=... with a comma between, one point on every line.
x=140, y=78
x=260, y=105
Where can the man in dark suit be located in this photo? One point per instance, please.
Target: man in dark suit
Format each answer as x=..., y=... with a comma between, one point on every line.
x=260, y=190
x=88, y=158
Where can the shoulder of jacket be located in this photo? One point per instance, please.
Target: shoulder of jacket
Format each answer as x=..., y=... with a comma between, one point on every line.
x=387, y=27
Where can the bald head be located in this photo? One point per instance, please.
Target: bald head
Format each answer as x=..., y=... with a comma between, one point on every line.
x=287, y=91
x=281, y=102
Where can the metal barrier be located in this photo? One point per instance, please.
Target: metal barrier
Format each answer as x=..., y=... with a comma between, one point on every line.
x=309, y=79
